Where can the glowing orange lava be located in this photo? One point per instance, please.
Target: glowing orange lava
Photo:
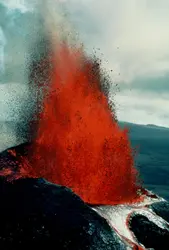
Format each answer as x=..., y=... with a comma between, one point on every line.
x=79, y=143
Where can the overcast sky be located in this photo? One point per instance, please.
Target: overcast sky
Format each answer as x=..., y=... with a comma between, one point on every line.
x=131, y=37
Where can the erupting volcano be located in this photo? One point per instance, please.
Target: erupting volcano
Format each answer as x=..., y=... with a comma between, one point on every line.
x=78, y=142
x=70, y=179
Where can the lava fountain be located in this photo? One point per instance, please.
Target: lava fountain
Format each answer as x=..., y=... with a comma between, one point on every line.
x=78, y=142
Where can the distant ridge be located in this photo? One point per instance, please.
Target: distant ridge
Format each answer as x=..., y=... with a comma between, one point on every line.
x=142, y=125
x=156, y=126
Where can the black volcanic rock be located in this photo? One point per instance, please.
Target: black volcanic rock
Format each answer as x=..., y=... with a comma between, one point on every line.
x=161, y=209
x=10, y=161
x=21, y=150
x=35, y=212
x=148, y=233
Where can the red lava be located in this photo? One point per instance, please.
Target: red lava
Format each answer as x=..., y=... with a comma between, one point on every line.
x=79, y=143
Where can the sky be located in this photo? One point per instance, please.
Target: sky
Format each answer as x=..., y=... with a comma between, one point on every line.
x=130, y=36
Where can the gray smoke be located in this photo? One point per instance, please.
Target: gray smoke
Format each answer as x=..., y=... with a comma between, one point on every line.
x=26, y=34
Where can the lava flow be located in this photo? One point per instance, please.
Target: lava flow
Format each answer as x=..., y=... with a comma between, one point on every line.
x=79, y=143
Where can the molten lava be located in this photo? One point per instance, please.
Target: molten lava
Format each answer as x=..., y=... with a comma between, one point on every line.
x=79, y=143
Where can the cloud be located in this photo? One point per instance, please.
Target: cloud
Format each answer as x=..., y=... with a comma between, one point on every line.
x=16, y=37
x=142, y=108
x=2, y=46
x=22, y=5
x=132, y=34
x=22, y=40
x=134, y=39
